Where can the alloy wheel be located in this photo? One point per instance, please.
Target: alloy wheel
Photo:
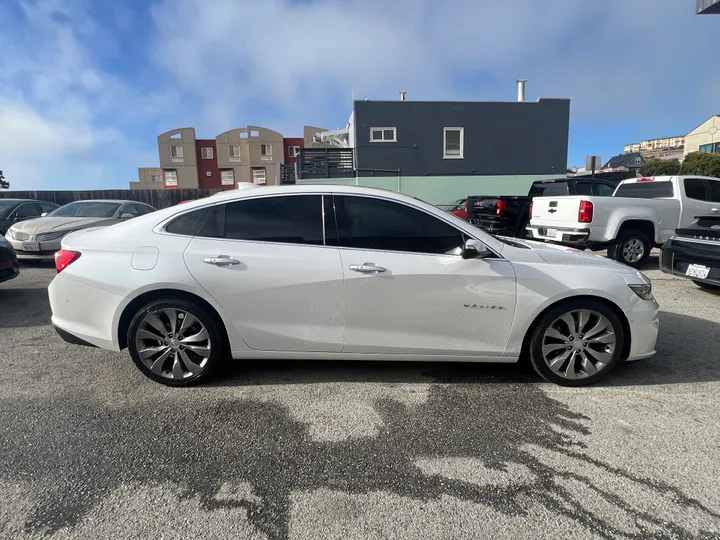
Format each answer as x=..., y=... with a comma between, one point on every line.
x=579, y=344
x=173, y=343
x=633, y=250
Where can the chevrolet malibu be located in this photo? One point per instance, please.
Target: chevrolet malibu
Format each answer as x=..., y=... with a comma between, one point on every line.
x=334, y=272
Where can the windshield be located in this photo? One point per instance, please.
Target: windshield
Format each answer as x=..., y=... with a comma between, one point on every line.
x=6, y=207
x=86, y=209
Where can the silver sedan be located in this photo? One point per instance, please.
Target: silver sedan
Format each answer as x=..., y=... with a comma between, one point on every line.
x=39, y=239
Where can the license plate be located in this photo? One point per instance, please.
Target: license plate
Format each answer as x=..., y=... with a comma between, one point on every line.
x=551, y=232
x=30, y=246
x=697, y=271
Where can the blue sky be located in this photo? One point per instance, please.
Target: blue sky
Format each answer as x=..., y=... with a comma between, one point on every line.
x=86, y=85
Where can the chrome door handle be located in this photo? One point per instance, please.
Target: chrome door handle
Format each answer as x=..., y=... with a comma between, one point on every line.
x=366, y=268
x=716, y=210
x=221, y=260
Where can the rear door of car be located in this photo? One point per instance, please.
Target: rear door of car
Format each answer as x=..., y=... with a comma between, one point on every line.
x=273, y=264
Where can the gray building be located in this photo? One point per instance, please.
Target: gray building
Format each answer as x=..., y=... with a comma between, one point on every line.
x=446, y=138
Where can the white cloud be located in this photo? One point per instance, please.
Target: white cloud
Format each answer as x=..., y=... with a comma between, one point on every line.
x=613, y=57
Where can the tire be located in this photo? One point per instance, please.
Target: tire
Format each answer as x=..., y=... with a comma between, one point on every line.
x=601, y=355
x=628, y=245
x=188, y=360
x=706, y=286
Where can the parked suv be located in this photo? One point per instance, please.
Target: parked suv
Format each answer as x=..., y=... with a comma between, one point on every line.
x=15, y=210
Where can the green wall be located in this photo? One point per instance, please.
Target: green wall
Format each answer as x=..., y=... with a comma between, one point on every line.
x=441, y=190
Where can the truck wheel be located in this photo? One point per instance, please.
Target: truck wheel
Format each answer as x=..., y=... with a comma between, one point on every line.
x=631, y=248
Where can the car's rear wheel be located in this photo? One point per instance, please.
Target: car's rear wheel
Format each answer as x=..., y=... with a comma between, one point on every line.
x=631, y=248
x=176, y=342
x=577, y=343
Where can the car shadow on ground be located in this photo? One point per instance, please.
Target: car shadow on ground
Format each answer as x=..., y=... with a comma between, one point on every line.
x=683, y=356
x=23, y=308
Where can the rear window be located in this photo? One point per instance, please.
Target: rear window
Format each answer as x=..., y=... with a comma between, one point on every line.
x=645, y=190
x=548, y=189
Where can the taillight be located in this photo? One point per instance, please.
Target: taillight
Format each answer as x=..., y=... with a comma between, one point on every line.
x=585, y=214
x=645, y=179
x=501, y=205
x=530, y=211
x=65, y=258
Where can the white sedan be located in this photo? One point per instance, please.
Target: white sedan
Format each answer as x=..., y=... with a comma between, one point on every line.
x=331, y=272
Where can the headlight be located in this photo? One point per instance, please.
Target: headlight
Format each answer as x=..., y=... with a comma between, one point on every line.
x=644, y=291
x=11, y=233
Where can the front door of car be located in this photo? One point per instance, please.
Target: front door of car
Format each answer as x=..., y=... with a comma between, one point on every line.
x=25, y=211
x=270, y=264
x=409, y=291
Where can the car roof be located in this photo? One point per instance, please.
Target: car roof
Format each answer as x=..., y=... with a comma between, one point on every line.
x=253, y=190
x=115, y=201
x=25, y=200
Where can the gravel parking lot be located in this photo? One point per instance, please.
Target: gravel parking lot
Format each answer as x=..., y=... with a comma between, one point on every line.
x=91, y=449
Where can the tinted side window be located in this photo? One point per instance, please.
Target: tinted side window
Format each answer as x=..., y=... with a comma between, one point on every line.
x=293, y=219
x=645, y=190
x=27, y=210
x=603, y=190
x=47, y=207
x=548, y=189
x=191, y=224
x=367, y=223
x=583, y=188
x=695, y=189
x=142, y=209
x=713, y=190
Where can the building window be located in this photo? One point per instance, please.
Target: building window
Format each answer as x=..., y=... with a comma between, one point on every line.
x=383, y=134
x=266, y=150
x=176, y=151
x=293, y=151
x=454, y=142
x=207, y=153
x=155, y=178
x=170, y=178
x=706, y=148
x=258, y=176
x=638, y=160
x=227, y=178
x=234, y=152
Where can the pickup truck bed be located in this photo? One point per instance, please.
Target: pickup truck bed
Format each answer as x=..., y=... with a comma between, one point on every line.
x=510, y=215
x=642, y=213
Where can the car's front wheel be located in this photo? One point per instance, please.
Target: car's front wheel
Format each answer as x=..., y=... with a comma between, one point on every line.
x=176, y=342
x=577, y=343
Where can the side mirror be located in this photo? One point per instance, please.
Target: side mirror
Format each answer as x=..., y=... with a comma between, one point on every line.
x=43, y=214
x=126, y=216
x=474, y=249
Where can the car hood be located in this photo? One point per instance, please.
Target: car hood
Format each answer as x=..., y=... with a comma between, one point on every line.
x=567, y=256
x=49, y=223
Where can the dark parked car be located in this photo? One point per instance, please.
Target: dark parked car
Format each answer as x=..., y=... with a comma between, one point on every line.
x=509, y=215
x=8, y=261
x=694, y=252
x=15, y=210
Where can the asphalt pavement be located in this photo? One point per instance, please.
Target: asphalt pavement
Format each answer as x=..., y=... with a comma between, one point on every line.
x=91, y=449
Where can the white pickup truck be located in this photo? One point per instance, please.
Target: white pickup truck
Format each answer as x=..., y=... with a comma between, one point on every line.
x=642, y=213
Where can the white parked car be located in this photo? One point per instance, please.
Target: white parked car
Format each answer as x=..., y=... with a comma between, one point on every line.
x=642, y=213
x=333, y=272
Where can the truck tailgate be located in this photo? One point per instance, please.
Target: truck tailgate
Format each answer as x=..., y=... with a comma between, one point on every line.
x=549, y=210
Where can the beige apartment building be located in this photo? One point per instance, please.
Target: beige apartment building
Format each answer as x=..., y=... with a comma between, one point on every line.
x=665, y=148
x=705, y=137
x=248, y=154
